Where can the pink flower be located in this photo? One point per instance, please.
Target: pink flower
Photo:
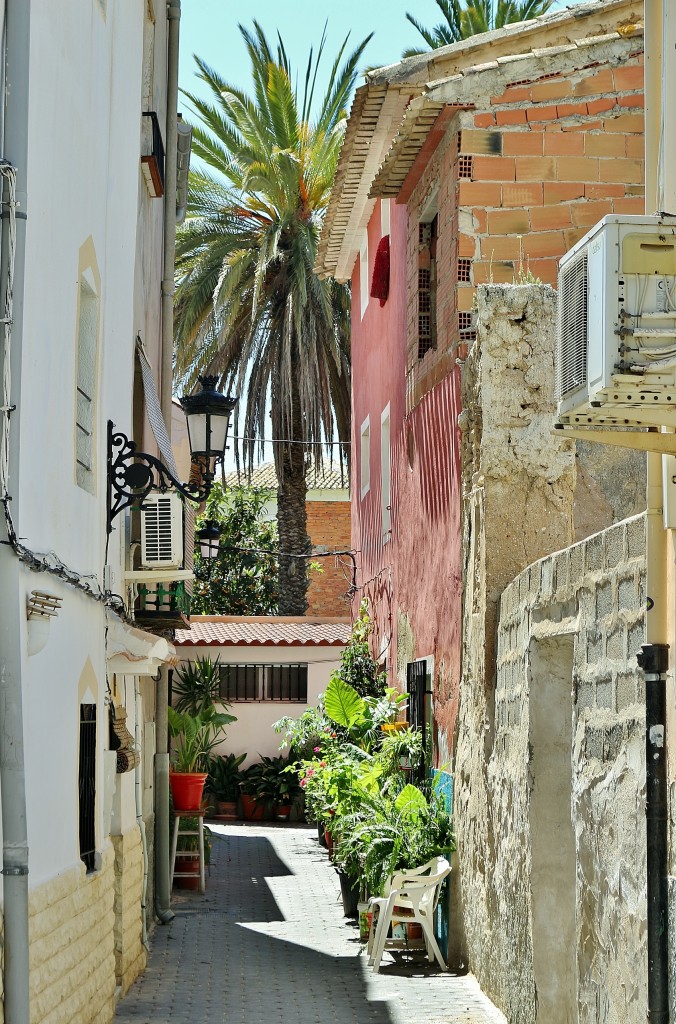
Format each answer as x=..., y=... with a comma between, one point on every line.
x=322, y=764
x=303, y=783
x=310, y=772
x=317, y=750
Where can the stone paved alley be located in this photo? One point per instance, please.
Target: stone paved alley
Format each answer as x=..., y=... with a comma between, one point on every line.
x=268, y=944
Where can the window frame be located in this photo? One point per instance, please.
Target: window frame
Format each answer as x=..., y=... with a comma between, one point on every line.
x=365, y=457
x=262, y=683
x=386, y=474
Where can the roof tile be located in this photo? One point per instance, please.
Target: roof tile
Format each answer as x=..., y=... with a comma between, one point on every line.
x=263, y=631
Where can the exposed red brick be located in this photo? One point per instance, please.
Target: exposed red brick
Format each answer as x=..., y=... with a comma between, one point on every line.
x=635, y=204
x=533, y=168
x=478, y=193
x=522, y=143
x=544, y=243
x=577, y=168
x=517, y=116
x=553, y=89
x=602, y=144
x=628, y=78
x=621, y=170
x=522, y=194
x=558, y=144
x=541, y=114
x=632, y=100
x=484, y=120
x=571, y=110
x=508, y=222
x=492, y=168
x=500, y=247
x=600, y=83
x=513, y=94
x=562, y=192
x=551, y=217
x=495, y=272
x=600, y=106
x=587, y=214
x=625, y=123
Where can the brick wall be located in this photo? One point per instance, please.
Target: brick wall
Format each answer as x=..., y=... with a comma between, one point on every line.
x=328, y=525
x=519, y=181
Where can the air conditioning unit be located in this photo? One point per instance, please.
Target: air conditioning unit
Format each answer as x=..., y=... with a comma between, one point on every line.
x=162, y=531
x=616, y=329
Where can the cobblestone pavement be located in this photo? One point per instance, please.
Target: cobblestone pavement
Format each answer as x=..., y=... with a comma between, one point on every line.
x=268, y=944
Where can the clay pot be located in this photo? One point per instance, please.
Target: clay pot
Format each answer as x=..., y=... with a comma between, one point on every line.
x=252, y=809
x=227, y=809
x=187, y=789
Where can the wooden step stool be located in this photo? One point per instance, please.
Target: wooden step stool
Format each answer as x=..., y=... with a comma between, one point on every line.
x=199, y=832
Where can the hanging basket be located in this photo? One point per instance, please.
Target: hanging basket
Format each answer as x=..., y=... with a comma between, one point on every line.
x=187, y=789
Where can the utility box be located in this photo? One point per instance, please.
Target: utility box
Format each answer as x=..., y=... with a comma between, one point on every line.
x=616, y=325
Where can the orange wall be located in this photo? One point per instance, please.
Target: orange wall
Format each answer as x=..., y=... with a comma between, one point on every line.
x=328, y=523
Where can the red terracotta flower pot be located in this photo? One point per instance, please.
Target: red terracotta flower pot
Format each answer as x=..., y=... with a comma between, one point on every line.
x=187, y=789
x=252, y=809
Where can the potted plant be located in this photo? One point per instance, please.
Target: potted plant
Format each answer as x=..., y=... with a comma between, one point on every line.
x=253, y=807
x=195, y=737
x=223, y=782
x=196, y=685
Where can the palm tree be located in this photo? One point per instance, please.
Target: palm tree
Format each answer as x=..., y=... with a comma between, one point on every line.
x=249, y=306
x=481, y=16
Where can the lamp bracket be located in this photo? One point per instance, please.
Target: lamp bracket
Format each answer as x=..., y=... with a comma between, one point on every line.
x=132, y=475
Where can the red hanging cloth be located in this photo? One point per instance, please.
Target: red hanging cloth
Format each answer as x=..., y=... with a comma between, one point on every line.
x=380, y=282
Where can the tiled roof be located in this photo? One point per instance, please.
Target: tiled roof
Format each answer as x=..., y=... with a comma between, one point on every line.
x=264, y=476
x=263, y=631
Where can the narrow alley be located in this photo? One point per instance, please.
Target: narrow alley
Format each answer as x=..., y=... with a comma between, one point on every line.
x=269, y=943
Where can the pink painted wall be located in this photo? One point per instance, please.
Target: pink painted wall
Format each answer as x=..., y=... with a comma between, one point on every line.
x=418, y=572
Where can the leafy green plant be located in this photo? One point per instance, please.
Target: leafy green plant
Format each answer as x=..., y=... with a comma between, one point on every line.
x=272, y=780
x=225, y=775
x=360, y=717
x=196, y=736
x=357, y=667
x=304, y=735
x=196, y=685
x=242, y=578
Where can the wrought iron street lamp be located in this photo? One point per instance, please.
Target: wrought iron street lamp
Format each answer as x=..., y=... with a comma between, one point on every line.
x=208, y=538
x=132, y=474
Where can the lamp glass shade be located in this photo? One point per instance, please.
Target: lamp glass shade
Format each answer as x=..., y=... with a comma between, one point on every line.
x=208, y=417
x=208, y=538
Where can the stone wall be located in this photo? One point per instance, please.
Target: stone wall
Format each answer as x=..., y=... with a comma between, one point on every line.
x=130, y=954
x=85, y=938
x=549, y=764
x=72, y=962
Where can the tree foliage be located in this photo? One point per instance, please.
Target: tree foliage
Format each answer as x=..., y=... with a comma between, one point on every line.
x=240, y=580
x=471, y=19
x=249, y=306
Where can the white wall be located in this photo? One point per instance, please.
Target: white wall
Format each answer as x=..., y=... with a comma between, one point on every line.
x=252, y=733
x=85, y=198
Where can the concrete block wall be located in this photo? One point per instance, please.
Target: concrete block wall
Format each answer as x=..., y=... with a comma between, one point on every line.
x=584, y=606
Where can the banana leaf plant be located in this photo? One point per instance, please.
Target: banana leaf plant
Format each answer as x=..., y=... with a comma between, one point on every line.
x=195, y=737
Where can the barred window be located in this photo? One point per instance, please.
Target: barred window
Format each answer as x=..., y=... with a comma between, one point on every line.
x=427, y=286
x=280, y=682
x=87, y=785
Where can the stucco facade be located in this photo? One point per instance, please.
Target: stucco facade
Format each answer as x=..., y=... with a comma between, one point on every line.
x=87, y=271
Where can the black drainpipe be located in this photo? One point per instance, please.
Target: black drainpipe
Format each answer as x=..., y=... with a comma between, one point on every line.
x=654, y=660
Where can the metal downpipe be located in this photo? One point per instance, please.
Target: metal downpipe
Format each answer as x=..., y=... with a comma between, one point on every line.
x=12, y=773
x=162, y=882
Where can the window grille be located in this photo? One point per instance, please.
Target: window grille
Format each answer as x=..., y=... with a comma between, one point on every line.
x=427, y=286
x=464, y=270
x=87, y=785
x=416, y=687
x=280, y=683
x=465, y=167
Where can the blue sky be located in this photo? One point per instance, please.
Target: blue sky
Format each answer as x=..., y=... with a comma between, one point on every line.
x=209, y=29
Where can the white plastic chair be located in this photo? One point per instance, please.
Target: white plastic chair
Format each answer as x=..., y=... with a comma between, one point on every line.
x=410, y=895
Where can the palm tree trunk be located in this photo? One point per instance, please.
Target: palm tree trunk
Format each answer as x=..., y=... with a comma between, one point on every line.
x=292, y=519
